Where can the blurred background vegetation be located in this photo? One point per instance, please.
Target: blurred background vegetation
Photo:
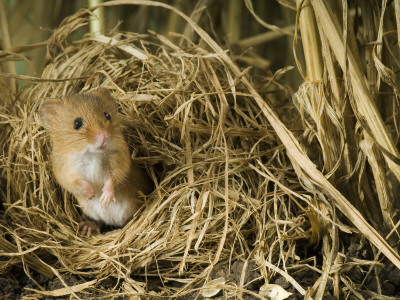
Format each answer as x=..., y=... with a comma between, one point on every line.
x=258, y=33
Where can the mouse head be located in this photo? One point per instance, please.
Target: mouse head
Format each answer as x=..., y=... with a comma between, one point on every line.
x=83, y=122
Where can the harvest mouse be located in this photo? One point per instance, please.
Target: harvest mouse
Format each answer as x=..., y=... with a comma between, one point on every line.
x=90, y=158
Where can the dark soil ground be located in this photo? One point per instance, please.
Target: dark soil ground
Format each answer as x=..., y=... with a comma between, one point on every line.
x=15, y=284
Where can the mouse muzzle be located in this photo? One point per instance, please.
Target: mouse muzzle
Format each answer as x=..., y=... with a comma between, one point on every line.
x=100, y=140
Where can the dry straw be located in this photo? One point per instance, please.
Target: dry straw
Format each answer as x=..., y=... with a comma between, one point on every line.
x=226, y=171
x=213, y=156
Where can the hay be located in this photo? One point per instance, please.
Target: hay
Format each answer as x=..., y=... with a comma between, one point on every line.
x=213, y=156
x=225, y=167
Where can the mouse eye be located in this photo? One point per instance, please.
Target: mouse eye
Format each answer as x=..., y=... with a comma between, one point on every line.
x=78, y=123
x=108, y=117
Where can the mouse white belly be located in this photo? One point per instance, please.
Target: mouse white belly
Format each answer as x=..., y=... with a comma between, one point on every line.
x=94, y=168
x=91, y=166
x=118, y=213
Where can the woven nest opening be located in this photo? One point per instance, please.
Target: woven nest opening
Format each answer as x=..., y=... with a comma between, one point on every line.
x=225, y=189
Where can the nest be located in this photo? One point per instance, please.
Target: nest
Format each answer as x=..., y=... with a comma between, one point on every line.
x=225, y=189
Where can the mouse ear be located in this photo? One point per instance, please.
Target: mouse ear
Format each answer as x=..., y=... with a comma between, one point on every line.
x=103, y=94
x=48, y=111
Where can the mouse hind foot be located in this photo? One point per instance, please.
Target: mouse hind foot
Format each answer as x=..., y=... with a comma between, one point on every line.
x=89, y=228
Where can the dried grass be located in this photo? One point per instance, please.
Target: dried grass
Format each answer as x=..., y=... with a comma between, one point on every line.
x=232, y=182
x=213, y=155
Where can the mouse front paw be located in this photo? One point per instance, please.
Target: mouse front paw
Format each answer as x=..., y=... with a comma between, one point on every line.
x=106, y=198
x=108, y=194
x=87, y=189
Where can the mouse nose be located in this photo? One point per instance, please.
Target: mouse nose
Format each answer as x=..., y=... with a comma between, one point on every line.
x=101, y=138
